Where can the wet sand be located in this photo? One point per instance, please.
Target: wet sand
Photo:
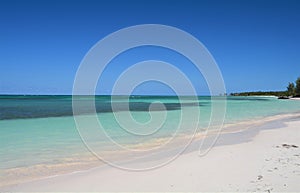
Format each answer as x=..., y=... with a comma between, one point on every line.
x=263, y=158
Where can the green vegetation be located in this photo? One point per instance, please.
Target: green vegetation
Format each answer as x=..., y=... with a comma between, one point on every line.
x=261, y=93
x=292, y=91
x=297, y=89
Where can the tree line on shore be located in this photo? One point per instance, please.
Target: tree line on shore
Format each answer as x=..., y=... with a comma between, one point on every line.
x=293, y=90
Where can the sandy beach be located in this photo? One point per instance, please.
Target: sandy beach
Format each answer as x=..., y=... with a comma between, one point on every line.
x=150, y=96
x=264, y=158
x=298, y=98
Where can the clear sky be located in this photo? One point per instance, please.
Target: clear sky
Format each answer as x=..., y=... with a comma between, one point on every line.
x=255, y=43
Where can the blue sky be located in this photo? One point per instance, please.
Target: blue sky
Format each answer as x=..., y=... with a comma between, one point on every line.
x=255, y=43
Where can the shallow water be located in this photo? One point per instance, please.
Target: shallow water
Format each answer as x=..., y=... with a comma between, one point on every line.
x=38, y=134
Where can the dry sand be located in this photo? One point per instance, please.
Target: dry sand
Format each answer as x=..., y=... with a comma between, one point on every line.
x=298, y=98
x=254, y=160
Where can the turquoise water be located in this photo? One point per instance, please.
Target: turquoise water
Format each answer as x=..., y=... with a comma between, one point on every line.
x=40, y=132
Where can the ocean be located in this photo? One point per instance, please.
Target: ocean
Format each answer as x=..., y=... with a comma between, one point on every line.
x=39, y=136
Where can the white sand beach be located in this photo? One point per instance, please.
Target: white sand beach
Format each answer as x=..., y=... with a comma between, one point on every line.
x=150, y=96
x=295, y=98
x=258, y=159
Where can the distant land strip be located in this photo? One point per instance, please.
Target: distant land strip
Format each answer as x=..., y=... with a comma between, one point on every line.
x=260, y=93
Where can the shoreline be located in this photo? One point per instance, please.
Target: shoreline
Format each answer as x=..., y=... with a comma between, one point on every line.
x=295, y=98
x=86, y=163
x=226, y=140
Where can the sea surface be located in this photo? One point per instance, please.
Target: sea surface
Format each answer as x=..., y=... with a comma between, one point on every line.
x=39, y=136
